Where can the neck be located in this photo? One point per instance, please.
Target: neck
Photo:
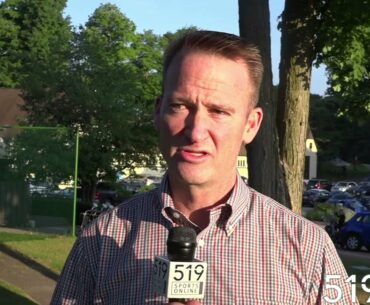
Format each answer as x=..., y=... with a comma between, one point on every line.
x=196, y=201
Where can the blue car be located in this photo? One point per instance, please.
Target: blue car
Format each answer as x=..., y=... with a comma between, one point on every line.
x=312, y=196
x=355, y=233
x=347, y=200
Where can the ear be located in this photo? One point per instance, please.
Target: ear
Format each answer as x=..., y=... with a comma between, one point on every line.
x=157, y=111
x=253, y=124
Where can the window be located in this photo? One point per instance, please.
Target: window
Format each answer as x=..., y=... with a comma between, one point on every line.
x=241, y=163
x=366, y=219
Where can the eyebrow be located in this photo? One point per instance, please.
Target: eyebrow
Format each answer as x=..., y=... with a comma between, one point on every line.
x=220, y=107
x=209, y=105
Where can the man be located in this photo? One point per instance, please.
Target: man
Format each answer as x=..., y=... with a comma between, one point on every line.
x=341, y=216
x=258, y=252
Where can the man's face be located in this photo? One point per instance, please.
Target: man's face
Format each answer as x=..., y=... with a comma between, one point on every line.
x=204, y=116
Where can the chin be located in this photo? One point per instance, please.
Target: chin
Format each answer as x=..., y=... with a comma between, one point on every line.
x=192, y=177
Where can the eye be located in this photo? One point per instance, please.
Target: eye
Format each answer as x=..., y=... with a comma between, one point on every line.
x=175, y=106
x=219, y=112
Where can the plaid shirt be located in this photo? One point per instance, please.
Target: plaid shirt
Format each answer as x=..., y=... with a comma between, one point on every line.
x=258, y=252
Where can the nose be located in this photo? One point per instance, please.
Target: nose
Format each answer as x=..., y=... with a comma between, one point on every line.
x=196, y=128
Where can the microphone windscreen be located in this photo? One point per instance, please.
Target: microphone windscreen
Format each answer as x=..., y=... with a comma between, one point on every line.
x=181, y=244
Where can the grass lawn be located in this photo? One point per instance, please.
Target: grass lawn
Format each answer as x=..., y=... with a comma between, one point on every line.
x=49, y=251
x=10, y=295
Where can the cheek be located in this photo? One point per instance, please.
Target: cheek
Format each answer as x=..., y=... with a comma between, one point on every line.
x=173, y=125
x=234, y=129
x=228, y=138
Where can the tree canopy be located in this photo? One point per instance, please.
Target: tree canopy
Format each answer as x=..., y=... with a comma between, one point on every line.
x=344, y=47
x=338, y=136
x=41, y=154
x=31, y=32
x=102, y=83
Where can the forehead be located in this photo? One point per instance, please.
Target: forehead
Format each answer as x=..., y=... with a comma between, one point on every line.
x=210, y=71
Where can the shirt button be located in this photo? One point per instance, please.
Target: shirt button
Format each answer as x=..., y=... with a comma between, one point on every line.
x=201, y=243
x=176, y=215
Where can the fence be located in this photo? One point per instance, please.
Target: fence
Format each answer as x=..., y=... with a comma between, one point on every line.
x=38, y=170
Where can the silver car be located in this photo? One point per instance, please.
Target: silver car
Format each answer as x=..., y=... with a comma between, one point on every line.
x=344, y=186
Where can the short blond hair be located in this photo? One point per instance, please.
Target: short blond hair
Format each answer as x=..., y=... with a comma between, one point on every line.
x=218, y=43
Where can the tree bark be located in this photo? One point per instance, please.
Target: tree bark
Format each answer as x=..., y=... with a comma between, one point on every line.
x=299, y=26
x=88, y=186
x=264, y=168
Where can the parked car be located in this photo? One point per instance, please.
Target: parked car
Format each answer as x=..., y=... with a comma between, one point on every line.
x=41, y=189
x=365, y=201
x=319, y=184
x=153, y=180
x=344, y=186
x=355, y=233
x=362, y=191
x=348, y=201
x=365, y=181
x=133, y=185
x=363, y=195
x=67, y=192
x=305, y=182
x=339, y=196
x=312, y=196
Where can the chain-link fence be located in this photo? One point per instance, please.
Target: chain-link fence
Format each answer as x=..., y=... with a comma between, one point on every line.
x=37, y=174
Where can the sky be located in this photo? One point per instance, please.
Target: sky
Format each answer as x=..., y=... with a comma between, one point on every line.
x=162, y=16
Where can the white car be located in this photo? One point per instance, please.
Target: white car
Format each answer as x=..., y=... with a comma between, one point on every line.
x=344, y=186
x=39, y=189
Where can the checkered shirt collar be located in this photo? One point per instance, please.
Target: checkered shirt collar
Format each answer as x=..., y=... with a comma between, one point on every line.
x=237, y=205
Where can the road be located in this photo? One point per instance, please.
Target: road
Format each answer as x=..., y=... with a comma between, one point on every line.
x=363, y=254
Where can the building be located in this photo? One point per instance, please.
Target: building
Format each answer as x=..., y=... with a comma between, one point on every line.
x=310, y=170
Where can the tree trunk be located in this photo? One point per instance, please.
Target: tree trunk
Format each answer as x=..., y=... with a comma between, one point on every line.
x=264, y=168
x=299, y=25
x=88, y=186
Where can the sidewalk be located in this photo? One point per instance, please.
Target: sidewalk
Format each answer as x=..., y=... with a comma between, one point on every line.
x=35, y=280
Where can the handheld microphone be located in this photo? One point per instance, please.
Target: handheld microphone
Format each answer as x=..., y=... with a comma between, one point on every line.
x=181, y=244
x=179, y=276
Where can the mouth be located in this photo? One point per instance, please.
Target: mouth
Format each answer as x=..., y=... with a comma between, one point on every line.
x=193, y=156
